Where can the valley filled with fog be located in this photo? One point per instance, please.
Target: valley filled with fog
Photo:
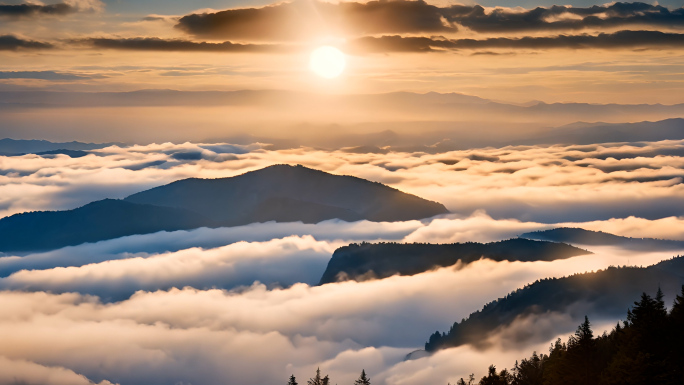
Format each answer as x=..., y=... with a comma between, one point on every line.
x=200, y=306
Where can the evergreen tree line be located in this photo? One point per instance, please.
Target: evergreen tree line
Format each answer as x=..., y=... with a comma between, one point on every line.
x=647, y=348
x=318, y=380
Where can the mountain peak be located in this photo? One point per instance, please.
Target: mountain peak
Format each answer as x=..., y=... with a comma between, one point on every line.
x=284, y=192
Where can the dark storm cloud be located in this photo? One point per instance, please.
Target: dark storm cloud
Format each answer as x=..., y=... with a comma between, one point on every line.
x=157, y=44
x=299, y=19
x=620, y=39
x=27, y=10
x=295, y=20
x=11, y=43
x=557, y=18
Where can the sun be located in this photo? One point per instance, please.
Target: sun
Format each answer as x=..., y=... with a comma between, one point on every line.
x=327, y=62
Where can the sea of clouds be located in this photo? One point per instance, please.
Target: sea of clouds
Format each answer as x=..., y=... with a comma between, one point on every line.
x=241, y=305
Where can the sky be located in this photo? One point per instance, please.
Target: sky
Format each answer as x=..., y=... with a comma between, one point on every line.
x=516, y=115
x=515, y=52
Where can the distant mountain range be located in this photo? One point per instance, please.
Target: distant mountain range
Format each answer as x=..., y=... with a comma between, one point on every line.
x=10, y=147
x=382, y=260
x=591, y=133
x=447, y=121
x=599, y=238
x=434, y=137
x=278, y=193
x=603, y=294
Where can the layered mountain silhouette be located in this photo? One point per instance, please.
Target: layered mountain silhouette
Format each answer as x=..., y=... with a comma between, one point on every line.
x=382, y=260
x=44, y=147
x=603, y=294
x=105, y=219
x=447, y=121
x=289, y=193
x=574, y=235
x=278, y=193
x=590, y=133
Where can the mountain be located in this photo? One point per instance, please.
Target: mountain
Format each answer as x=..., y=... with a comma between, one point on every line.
x=602, y=294
x=286, y=193
x=105, y=219
x=382, y=260
x=291, y=119
x=587, y=133
x=278, y=193
x=599, y=238
x=44, y=147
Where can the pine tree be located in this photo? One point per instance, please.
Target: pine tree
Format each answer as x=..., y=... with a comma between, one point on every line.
x=677, y=312
x=317, y=380
x=363, y=379
x=292, y=380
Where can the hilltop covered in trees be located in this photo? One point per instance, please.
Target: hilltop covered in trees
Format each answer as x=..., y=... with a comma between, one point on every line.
x=647, y=348
x=382, y=260
x=605, y=293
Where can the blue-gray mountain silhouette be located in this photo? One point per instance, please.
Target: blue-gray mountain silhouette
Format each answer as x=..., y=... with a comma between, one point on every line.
x=105, y=219
x=574, y=235
x=382, y=260
x=286, y=193
x=44, y=147
x=600, y=295
x=277, y=193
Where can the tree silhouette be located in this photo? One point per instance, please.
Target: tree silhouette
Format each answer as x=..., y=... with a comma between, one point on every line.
x=471, y=380
x=292, y=380
x=645, y=349
x=318, y=380
x=494, y=378
x=363, y=379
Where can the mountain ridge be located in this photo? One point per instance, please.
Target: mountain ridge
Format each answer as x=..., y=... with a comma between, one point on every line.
x=382, y=260
x=280, y=193
x=601, y=294
x=599, y=238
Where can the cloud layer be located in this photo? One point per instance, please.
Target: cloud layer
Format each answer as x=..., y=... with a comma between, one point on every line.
x=256, y=335
x=30, y=9
x=532, y=183
x=302, y=19
x=161, y=314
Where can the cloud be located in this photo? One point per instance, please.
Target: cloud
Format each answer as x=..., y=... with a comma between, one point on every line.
x=57, y=9
x=555, y=18
x=157, y=44
x=46, y=75
x=256, y=335
x=149, y=245
x=279, y=261
x=26, y=372
x=543, y=184
x=304, y=19
x=13, y=43
x=616, y=40
x=409, y=44
x=300, y=20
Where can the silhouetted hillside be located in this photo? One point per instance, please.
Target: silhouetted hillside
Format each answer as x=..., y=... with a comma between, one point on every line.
x=289, y=193
x=105, y=219
x=277, y=193
x=587, y=237
x=381, y=260
x=586, y=133
x=606, y=293
x=20, y=147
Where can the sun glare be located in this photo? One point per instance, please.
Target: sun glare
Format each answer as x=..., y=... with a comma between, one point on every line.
x=327, y=62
